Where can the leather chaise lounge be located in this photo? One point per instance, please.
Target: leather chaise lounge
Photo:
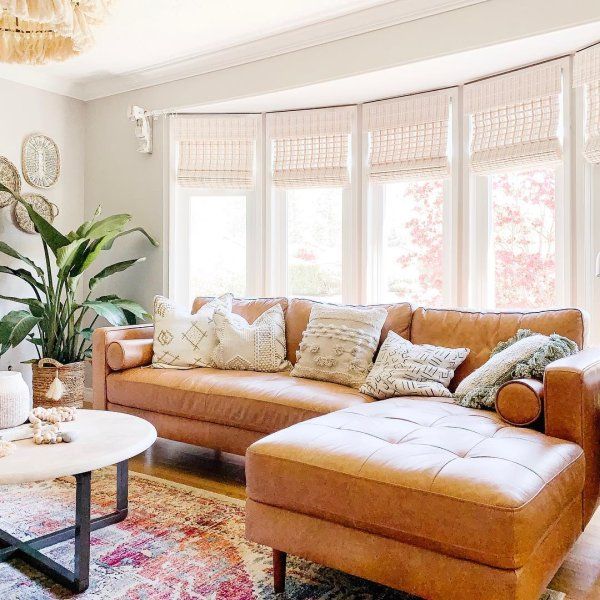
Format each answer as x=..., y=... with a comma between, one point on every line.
x=419, y=494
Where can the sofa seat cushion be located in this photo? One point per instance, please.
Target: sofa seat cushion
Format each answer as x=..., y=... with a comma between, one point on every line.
x=263, y=402
x=433, y=474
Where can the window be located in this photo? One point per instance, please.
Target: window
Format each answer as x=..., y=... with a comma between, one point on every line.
x=412, y=243
x=516, y=158
x=462, y=197
x=314, y=243
x=523, y=238
x=214, y=224
x=310, y=202
x=222, y=220
x=211, y=244
x=408, y=169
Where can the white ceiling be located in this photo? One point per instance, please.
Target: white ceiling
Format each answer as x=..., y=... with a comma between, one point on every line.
x=442, y=72
x=149, y=41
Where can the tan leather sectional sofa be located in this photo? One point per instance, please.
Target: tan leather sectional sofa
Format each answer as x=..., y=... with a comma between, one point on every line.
x=420, y=494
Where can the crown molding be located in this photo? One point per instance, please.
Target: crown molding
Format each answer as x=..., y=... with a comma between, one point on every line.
x=356, y=23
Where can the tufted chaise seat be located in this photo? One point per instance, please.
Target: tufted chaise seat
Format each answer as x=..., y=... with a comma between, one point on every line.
x=423, y=470
x=459, y=482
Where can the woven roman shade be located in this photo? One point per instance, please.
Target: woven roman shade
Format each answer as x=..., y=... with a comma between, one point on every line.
x=408, y=138
x=586, y=73
x=515, y=119
x=310, y=147
x=216, y=152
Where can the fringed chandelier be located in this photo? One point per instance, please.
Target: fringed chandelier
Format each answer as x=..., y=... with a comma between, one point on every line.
x=40, y=31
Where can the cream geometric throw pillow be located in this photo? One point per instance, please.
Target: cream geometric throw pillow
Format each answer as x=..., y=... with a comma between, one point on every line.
x=183, y=340
x=405, y=369
x=339, y=343
x=257, y=347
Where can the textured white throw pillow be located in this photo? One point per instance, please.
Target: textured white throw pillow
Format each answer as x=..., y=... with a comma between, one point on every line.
x=339, y=343
x=257, y=347
x=500, y=364
x=183, y=340
x=406, y=369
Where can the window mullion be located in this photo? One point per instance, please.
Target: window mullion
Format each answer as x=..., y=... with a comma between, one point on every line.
x=375, y=242
x=481, y=288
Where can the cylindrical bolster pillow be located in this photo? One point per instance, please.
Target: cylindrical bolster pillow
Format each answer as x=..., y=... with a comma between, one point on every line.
x=127, y=354
x=520, y=402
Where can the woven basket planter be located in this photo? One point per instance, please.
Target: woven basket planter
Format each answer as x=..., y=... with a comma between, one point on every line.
x=71, y=375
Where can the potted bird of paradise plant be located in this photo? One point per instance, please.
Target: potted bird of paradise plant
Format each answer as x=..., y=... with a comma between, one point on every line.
x=59, y=317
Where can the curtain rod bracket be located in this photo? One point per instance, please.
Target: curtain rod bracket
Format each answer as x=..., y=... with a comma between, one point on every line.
x=143, y=128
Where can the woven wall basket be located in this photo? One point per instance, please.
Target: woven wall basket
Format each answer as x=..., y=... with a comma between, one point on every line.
x=71, y=375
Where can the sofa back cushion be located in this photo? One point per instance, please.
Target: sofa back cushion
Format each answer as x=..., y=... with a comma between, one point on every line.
x=298, y=313
x=481, y=331
x=249, y=308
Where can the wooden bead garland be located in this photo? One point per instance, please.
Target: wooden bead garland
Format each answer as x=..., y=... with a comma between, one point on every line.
x=6, y=448
x=59, y=414
x=46, y=434
x=46, y=424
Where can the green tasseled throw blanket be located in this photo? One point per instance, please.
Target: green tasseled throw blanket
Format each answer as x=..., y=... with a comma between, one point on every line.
x=554, y=348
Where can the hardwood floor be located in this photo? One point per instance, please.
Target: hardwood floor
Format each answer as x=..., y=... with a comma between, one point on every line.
x=579, y=577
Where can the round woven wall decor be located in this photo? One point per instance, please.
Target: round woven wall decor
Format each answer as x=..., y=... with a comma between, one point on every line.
x=9, y=176
x=41, y=205
x=41, y=161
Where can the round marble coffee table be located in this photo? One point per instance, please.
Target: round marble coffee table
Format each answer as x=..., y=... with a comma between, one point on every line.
x=103, y=439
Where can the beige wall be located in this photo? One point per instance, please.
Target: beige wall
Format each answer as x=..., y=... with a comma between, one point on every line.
x=122, y=179
x=26, y=110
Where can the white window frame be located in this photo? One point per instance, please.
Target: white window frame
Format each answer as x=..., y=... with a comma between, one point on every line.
x=481, y=284
x=180, y=243
x=467, y=223
x=374, y=196
x=276, y=252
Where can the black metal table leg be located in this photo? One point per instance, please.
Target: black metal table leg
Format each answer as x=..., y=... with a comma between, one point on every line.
x=78, y=579
x=81, y=569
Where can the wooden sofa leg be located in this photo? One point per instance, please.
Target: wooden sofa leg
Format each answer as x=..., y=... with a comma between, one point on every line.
x=279, y=560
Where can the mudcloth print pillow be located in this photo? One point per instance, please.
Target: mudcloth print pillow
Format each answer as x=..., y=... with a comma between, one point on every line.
x=405, y=369
x=183, y=340
x=524, y=355
x=339, y=343
x=257, y=347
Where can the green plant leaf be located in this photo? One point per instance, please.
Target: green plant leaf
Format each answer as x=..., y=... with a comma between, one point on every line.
x=86, y=333
x=35, y=306
x=90, y=255
x=6, y=249
x=128, y=231
x=84, y=228
x=112, y=269
x=113, y=314
x=54, y=238
x=131, y=318
x=15, y=326
x=127, y=305
x=65, y=255
x=25, y=275
x=112, y=224
x=132, y=307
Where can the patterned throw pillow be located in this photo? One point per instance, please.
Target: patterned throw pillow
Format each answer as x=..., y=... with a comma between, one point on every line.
x=525, y=355
x=339, y=343
x=183, y=340
x=257, y=347
x=405, y=369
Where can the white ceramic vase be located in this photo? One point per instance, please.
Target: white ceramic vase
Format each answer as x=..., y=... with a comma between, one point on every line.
x=15, y=400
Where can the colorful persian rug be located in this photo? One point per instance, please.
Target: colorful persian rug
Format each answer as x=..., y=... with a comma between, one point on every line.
x=178, y=543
